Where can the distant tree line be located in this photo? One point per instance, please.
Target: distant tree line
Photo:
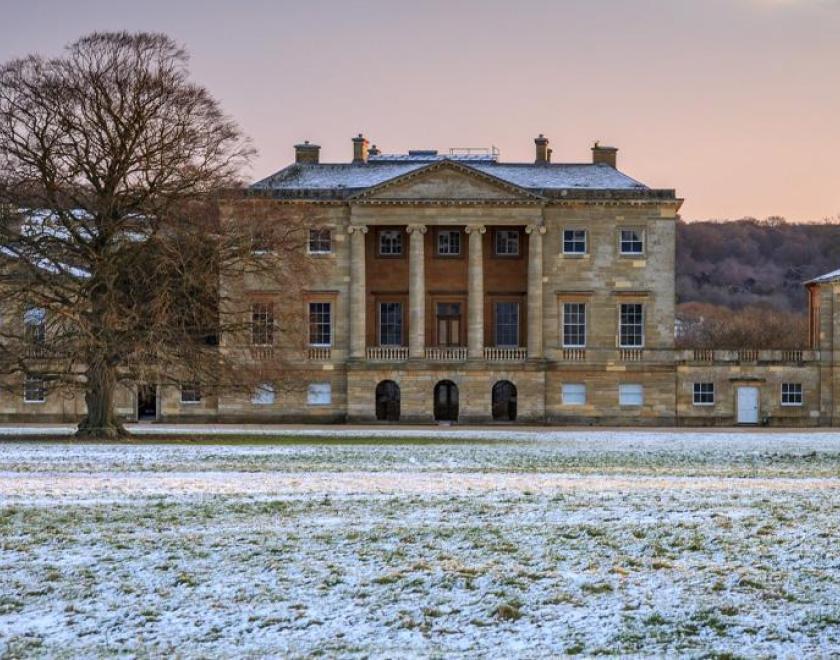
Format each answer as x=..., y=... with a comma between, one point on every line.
x=740, y=283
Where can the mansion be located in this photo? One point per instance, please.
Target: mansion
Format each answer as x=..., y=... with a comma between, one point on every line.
x=455, y=287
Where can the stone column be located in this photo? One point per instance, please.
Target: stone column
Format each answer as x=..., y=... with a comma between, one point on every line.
x=475, y=302
x=358, y=287
x=535, y=290
x=416, y=292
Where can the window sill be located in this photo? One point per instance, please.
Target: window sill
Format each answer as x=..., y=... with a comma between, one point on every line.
x=703, y=405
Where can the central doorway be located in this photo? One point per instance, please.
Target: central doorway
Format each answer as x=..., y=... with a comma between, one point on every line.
x=446, y=401
x=146, y=402
x=748, y=405
x=504, y=401
x=388, y=401
x=448, y=324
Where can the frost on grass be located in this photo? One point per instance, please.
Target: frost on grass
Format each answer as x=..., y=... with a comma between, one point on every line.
x=436, y=552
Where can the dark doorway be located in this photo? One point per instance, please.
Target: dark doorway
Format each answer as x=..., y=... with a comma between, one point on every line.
x=504, y=401
x=446, y=401
x=147, y=402
x=388, y=401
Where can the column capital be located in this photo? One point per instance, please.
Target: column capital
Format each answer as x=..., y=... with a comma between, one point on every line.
x=530, y=229
x=475, y=228
x=357, y=228
x=418, y=228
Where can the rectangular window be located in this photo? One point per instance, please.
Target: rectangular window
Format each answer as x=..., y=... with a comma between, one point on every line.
x=574, y=241
x=390, y=242
x=190, y=393
x=449, y=243
x=574, y=325
x=574, y=394
x=320, y=241
x=791, y=394
x=34, y=390
x=35, y=326
x=320, y=394
x=631, y=395
x=390, y=324
x=262, y=324
x=448, y=324
x=631, y=241
x=507, y=324
x=631, y=328
x=507, y=242
x=320, y=324
x=704, y=394
x=261, y=240
x=263, y=395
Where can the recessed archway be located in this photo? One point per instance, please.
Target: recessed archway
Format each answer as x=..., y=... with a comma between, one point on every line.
x=446, y=401
x=504, y=401
x=388, y=401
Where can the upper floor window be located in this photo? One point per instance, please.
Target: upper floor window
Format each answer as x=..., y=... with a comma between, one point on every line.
x=190, y=393
x=320, y=324
x=390, y=324
x=631, y=241
x=574, y=325
x=390, y=242
x=35, y=327
x=261, y=240
x=574, y=241
x=507, y=324
x=34, y=390
x=262, y=324
x=791, y=394
x=631, y=326
x=704, y=394
x=449, y=243
x=320, y=241
x=507, y=242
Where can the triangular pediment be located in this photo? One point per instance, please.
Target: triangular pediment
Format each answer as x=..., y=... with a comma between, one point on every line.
x=447, y=181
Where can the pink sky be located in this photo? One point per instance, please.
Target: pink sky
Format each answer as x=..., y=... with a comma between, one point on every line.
x=735, y=103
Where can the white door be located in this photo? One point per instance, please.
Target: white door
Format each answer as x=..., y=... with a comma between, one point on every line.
x=748, y=405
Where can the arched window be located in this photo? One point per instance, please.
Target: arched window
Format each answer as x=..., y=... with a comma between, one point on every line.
x=388, y=401
x=446, y=401
x=504, y=401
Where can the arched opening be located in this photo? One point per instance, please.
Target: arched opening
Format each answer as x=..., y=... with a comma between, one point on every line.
x=388, y=401
x=504, y=401
x=446, y=401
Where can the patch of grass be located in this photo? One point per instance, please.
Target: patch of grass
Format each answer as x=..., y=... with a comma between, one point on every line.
x=509, y=611
x=596, y=588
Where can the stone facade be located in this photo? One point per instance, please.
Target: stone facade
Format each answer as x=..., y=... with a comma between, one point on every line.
x=479, y=266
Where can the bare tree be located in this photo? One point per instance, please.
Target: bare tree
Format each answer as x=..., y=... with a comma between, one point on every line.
x=113, y=171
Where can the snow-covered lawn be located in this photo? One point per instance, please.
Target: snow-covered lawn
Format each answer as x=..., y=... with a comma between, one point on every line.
x=588, y=542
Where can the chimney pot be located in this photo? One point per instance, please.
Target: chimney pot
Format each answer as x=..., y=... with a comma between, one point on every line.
x=543, y=154
x=360, y=149
x=374, y=151
x=604, y=155
x=307, y=153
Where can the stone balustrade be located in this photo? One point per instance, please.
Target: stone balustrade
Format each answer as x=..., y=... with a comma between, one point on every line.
x=319, y=353
x=446, y=353
x=505, y=354
x=387, y=353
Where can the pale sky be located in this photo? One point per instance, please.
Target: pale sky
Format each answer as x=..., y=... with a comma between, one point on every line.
x=735, y=103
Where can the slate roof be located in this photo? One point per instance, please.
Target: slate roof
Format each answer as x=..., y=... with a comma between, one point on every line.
x=341, y=180
x=828, y=277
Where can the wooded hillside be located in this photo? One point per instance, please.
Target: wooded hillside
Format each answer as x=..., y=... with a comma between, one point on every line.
x=753, y=262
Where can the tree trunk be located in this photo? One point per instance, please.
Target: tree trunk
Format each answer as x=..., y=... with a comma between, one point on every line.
x=100, y=421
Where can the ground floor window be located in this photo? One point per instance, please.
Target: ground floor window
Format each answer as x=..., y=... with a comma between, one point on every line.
x=34, y=390
x=791, y=394
x=704, y=394
x=319, y=394
x=631, y=394
x=263, y=395
x=190, y=393
x=574, y=394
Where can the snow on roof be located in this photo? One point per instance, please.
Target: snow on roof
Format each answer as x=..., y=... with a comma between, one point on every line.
x=828, y=277
x=355, y=176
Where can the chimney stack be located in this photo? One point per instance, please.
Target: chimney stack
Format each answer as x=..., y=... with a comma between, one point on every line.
x=543, y=152
x=374, y=151
x=307, y=153
x=360, y=149
x=604, y=155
